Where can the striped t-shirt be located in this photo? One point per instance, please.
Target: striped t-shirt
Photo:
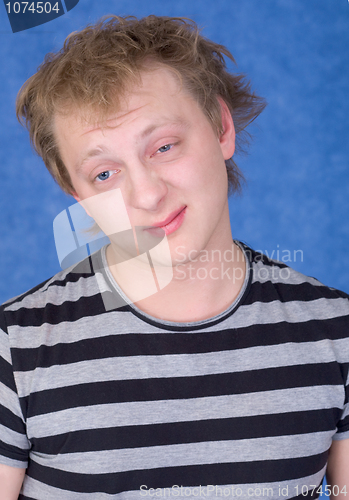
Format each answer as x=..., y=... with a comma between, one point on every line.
x=102, y=401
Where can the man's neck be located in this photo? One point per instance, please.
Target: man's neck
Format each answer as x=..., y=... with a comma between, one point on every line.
x=200, y=289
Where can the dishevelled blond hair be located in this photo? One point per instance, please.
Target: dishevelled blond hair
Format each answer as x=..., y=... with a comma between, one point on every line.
x=98, y=64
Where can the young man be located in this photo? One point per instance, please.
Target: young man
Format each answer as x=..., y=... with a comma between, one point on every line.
x=226, y=379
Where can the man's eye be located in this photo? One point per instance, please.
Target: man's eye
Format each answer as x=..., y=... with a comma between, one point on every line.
x=103, y=176
x=165, y=148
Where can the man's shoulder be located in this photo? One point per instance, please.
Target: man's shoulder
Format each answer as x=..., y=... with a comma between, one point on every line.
x=284, y=305
x=52, y=299
x=265, y=269
x=295, y=296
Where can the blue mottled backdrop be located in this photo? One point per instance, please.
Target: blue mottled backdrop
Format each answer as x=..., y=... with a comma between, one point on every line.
x=295, y=202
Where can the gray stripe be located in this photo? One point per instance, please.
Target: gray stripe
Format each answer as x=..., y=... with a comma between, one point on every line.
x=9, y=400
x=209, y=452
x=4, y=347
x=57, y=295
x=345, y=412
x=339, y=436
x=14, y=438
x=291, y=312
x=154, y=412
x=102, y=284
x=85, y=328
x=341, y=349
x=13, y=463
x=275, y=274
x=42, y=491
x=262, y=491
x=82, y=329
x=58, y=277
x=177, y=365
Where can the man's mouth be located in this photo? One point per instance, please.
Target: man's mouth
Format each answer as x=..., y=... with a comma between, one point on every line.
x=168, y=225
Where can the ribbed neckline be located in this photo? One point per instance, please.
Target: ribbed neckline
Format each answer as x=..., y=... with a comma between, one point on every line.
x=174, y=324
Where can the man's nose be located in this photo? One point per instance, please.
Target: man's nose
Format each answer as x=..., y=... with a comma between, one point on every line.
x=146, y=188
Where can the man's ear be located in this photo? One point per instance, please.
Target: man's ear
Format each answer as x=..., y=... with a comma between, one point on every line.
x=75, y=196
x=227, y=137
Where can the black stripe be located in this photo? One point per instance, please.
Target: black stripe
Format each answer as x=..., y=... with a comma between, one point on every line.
x=3, y=324
x=194, y=475
x=343, y=425
x=72, y=277
x=14, y=453
x=118, y=345
x=8, y=419
x=122, y=391
x=188, y=432
x=305, y=292
x=19, y=298
x=55, y=314
x=7, y=377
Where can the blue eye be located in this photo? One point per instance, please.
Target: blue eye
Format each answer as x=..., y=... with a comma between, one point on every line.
x=165, y=148
x=103, y=176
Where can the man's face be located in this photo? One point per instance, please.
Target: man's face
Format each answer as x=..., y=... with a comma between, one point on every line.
x=161, y=151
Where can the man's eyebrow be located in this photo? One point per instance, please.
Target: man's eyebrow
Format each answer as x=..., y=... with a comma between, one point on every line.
x=177, y=123
x=97, y=151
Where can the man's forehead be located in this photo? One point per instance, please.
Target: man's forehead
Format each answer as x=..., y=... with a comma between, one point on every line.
x=154, y=92
x=157, y=85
